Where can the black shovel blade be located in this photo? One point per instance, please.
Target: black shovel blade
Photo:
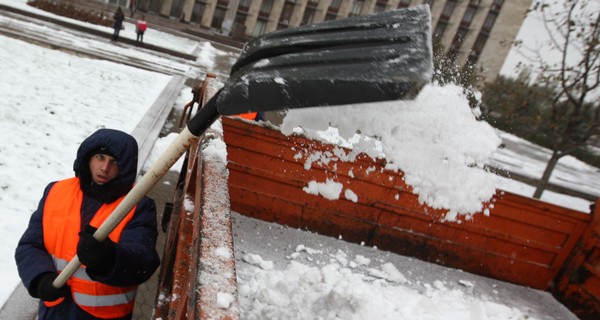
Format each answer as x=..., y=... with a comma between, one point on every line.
x=386, y=56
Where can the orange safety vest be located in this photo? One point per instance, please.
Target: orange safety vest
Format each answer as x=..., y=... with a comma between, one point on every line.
x=249, y=115
x=61, y=224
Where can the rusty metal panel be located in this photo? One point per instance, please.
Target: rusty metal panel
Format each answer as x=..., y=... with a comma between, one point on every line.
x=214, y=273
x=522, y=240
x=578, y=286
x=195, y=268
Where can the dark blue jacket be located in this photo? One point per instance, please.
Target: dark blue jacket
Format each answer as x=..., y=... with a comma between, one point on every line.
x=136, y=256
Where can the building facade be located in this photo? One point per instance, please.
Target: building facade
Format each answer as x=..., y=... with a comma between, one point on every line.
x=475, y=32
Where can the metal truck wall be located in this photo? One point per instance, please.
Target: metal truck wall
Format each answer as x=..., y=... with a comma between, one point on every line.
x=522, y=240
x=578, y=287
x=193, y=271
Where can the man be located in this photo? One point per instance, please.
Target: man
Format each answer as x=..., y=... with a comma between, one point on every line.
x=64, y=222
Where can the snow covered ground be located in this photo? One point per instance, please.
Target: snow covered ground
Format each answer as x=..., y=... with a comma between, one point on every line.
x=44, y=118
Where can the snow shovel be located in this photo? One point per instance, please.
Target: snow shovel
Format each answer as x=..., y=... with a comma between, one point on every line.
x=381, y=57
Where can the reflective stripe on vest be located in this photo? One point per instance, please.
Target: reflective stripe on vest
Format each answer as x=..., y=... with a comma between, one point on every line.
x=79, y=273
x=104, y=301
x=61, y=225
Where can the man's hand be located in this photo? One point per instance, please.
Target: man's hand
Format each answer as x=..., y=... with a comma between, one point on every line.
x=46, y=291
x=93, y=253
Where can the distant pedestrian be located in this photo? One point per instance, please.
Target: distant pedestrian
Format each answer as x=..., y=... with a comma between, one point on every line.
x=140, y=27
x=118, y=23
x=132, y=7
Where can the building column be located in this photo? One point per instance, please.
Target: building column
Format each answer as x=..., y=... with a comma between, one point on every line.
x=499, y=42
x=368, y=7
x=208, y=13
x=345, y=9
x=321, y=11
x=250, y=22
x=473, y=32
x=453, y=24
x=436, y=11
x=186, y=11
x=392, y=5
x=165, y=8
x=274, y=15
x=229, y=20
x=298, y=13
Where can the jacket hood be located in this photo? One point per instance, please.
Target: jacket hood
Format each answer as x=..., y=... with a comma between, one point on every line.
x=117, y=143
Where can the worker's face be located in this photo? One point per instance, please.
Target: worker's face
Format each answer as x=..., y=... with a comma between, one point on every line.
x=103, y=168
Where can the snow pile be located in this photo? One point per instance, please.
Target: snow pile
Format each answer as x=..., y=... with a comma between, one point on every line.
x=342, y=291
x=207, y=55
x=329, y=189
x=435, y=139
x=311, y=276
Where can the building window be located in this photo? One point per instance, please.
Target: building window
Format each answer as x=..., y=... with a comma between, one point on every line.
x=244, y=5
x=333, y=9
x=218, y=17
x=121, y=3
x=440, y=28
x=335, y=4
x=403, y=4
x=240, y=17
x=309, y=15
x=265, y=7
x=176, y=8
x=477, y=49
x=242, y=11
x=451, y=55
x=479, y=44
x=448, y=10
x=472, y=59
x=357, y=7
x=286, y=14
x=198, y=11
x=259, y=28
x=380, y=6
x=497, y=5
x=460, y=35
x=489, y=21
x=468, y=16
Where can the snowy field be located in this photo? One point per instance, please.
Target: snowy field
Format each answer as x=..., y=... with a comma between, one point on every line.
x=47, y=116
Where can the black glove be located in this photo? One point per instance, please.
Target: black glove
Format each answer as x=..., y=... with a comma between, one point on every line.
x=46, y=291
x=94, y=254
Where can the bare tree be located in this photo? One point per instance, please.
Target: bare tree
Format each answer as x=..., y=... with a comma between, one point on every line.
x=574, y=114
